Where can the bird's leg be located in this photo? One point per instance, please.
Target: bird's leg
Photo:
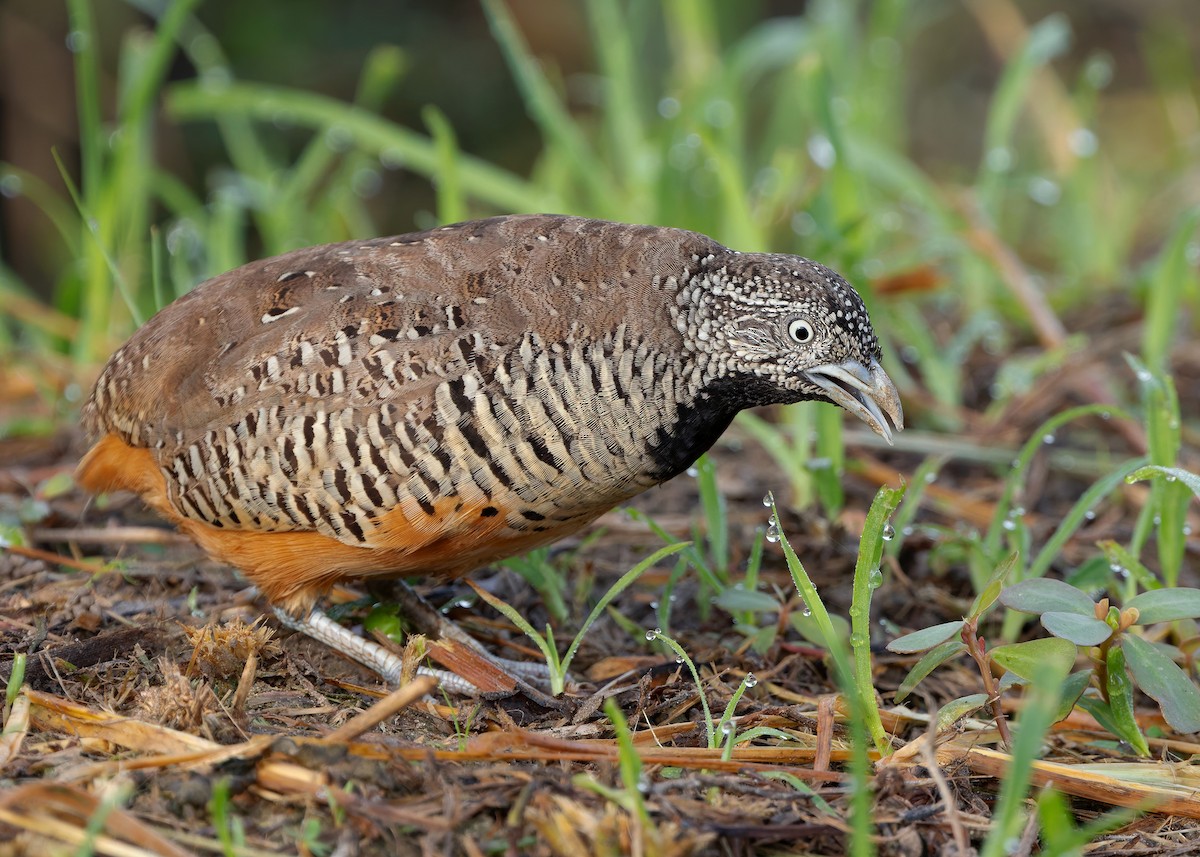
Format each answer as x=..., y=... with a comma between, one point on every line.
x=368, y=653
x=433, y=623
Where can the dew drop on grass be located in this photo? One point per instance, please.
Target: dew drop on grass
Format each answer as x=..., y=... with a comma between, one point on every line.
x=930, y=477
x=10, y=185
x=679, y=659
x=652, y=635
x=1048, y=438
x=1170, y=477
x=1089, y=515
x=805, y=610
x=643, y=783
x=693, y=472
x=999, y=159
x=727, y=727
x=768, y=499
x=1083, y=142
x=889, y=532
x=875, y=578
x=1009, y=524
x=773, y=534
x=77, y=41
x=750, y=680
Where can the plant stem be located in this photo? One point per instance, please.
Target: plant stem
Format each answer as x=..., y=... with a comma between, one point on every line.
x=975, y=647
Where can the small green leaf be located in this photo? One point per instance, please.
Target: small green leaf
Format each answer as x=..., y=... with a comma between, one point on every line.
x=1166, y=605
x=1080, y=630
x=1163, y=680
x=1072, y=690
x=1191, y=480
x=1120, y=702
x=956, y=709
x=1043, y=593
x=931, y=661
x=1100, y=710
x=383, y=619
x=1027, y=658
x=991, y=590
x=926, y=638
x=735, y=600
x=810, y=629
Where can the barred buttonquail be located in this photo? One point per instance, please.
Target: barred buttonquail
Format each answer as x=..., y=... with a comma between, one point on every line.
x=433, y=402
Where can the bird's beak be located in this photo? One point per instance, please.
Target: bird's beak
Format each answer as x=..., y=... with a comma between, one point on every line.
x=865, y=391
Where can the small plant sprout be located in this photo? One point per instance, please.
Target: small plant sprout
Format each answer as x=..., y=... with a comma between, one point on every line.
x=1117, y=654
x=558, y=666
x=1075, y=622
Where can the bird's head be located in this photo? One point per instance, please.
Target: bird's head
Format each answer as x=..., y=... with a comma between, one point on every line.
x=779, y=329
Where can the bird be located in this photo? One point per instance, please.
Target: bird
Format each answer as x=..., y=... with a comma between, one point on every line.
x=431, y=403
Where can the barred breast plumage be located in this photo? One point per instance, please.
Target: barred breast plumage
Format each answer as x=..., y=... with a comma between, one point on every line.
x=436, y=401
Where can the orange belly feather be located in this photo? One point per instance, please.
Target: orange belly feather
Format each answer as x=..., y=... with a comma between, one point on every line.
x=295, y=568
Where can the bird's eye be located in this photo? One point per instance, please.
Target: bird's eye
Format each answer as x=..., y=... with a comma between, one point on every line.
x=800, y=330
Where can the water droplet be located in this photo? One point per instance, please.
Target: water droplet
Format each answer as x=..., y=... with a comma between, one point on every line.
x=10, y=185
x=391, y=159
x=768, y=499
x=1187, y=530
x=875, y=578
x=803, y=223
x=679, y=659
x=644, y=783
x=889, y=532
x=1099, y=71
x=1018, y=511
x=773, y=534
x=727, y=727
x=653, y=605
x=1106, y=415
x=930, y=477
x=216, y=79
x=1089, y=515
x=693, y=472
x=1043, y=191
x=750, y=680
x=999, y=160
x=1015, y=463
x=366, y=182
x=1048, y=438
x=1009, y=524
x=1083, y=142
x=77, y=40
x=668, y=108
x=338, y=138
x=653, y=634
x=1170, y=477
x=805, y=610
x=857, y=640
x=718, y=113
x=821, y=150
x=1144, y=376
